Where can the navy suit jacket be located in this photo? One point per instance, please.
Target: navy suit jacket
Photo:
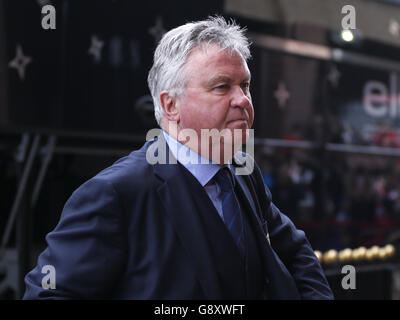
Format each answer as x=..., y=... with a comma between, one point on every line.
x=134, y=232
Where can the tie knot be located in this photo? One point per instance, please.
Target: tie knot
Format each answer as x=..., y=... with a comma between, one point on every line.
x=225, y=179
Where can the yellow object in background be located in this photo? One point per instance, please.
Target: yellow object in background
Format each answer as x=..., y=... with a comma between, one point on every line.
x=330, y=256
x=319, y=255
x=390, y=250
x=345, y=255
x=358, y=254
x=372, y=253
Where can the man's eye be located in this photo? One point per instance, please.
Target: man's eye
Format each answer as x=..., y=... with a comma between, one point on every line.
x=222, y=87
x=246, y=85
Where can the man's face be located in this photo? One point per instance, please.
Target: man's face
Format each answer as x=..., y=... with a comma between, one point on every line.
x=217, y=92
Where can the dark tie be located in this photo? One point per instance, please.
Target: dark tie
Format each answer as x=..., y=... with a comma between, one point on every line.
x=233, y=216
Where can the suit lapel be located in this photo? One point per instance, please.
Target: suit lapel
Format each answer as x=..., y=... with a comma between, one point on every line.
x=250, y=202
x=178, y=195
x=248, y=196
x=281, y=283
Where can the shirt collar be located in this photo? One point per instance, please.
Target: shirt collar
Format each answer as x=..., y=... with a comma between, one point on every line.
x=201, y=168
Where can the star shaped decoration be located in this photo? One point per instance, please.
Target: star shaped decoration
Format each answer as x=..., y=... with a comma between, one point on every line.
x=394, y=27
x=95, y=48
x=157, y=31
x=334, y=76
x=282, y=94
x=20, y=62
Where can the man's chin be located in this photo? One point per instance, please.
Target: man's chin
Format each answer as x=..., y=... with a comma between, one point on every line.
x=238, y=125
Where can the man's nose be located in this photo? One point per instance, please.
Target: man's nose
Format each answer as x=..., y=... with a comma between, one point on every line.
x=240, y=97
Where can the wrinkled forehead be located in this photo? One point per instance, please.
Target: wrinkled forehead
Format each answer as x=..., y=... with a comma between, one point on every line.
x=212, y=54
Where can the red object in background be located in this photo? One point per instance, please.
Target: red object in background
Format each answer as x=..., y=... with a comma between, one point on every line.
x=387, y=138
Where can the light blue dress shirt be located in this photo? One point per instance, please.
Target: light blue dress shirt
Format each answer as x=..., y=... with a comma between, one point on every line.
x=201, y=168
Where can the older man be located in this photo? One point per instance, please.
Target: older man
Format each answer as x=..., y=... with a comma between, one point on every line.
x=187, y=227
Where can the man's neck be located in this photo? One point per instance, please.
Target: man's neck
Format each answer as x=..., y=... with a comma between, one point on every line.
x=211, y=148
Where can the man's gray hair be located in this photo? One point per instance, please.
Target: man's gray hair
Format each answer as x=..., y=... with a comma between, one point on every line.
x=175, y=46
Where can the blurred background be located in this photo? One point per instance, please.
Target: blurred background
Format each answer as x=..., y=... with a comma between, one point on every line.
x=74, y=98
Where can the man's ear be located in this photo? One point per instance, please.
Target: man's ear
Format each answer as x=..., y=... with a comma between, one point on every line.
x=168, y=104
